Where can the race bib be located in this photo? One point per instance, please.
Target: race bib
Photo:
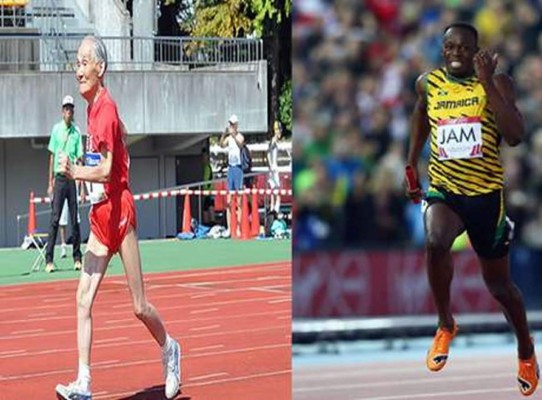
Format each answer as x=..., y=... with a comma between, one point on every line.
x=96, y=191
x=459, y=138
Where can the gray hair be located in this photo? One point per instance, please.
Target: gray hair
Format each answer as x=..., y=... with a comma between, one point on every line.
x=100, y=51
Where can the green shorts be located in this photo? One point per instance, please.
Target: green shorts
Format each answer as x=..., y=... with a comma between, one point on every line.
x=490, y=230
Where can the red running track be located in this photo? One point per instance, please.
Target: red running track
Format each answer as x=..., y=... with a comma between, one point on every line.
x=234, y=325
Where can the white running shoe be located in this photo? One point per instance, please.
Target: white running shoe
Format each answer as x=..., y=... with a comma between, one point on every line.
x=63, y=251
x=72, y=392
x=171, y=362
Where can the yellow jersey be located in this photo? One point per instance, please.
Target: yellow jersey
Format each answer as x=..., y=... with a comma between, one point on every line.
x=464, y=140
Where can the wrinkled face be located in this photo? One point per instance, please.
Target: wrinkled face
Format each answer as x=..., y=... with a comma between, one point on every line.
x=67, y=114
x=458, y=50
x=89, y=72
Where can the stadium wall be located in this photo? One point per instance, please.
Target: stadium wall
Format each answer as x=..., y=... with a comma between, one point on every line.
x=150, y=102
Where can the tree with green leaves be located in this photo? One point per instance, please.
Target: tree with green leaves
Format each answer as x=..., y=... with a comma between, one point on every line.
x=269, y=20
x=230, y=19
x=274, y=18
x=286, y=107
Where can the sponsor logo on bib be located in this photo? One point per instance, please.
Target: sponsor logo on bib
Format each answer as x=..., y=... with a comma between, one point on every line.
x=96, y=191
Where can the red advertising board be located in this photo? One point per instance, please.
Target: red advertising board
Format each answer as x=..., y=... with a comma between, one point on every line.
x=380, y=283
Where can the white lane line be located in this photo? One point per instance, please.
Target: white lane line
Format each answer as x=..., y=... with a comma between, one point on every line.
x=280, y=289
x=203, y=377
x=35, y=375
x=11, y=352
x=104, y=363
x=58, y=300
x=38, y=297
x=242, y=378
x=242, y=350
x=116, y=321
x=284, y=300
x=215, y=347
x=205, y=310
x=112, y=340
x=234, y=281
x=204, y=328
x=27, y=331
x=195, y=286
x=42, y=314
x=201, y=295
x=227, y=271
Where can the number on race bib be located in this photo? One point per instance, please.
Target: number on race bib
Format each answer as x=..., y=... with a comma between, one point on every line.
x=459, y=138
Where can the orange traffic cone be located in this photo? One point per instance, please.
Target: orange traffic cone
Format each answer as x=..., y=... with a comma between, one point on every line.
x=220, y=199
x=31, y=215
x=255, y=217
x=187, y=215
x=245, y=224
x=233, y=217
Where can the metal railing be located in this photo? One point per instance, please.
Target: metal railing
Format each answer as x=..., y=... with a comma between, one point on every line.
x=42, y=53
x=25, y=13
x=22, y=219
x=13, y=14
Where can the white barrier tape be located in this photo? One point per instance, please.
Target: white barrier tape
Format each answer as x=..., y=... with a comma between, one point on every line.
x=182, y=192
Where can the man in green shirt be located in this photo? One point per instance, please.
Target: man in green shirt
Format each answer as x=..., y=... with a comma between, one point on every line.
x=65, y=139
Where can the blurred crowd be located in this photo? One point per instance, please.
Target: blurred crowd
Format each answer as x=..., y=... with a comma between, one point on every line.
x=354, y=68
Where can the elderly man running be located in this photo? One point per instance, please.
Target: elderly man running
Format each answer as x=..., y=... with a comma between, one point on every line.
x=112, y=222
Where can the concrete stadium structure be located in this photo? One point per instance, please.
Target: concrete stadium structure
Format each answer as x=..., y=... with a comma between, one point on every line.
x=170, y=111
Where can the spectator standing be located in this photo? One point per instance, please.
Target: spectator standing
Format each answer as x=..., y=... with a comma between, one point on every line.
x=65, y=139
x=233, y=140
x=272, y=160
